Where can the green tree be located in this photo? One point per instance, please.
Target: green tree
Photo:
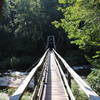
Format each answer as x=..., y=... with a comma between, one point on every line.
x=24, y=27
x=81, y=22
x=94, y=80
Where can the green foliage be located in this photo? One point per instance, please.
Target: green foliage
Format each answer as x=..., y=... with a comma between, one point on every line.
x=95, y=62
x=62, y=1
x=97, y=54
x=8, y=91
x=78, y=93
x=26, y=96
x=22, y=33
x=81, y=23
x=24, y=27
x=94, y=80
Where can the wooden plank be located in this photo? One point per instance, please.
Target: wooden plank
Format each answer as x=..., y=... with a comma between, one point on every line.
x=55, y=88
x=86, y=88
x=19, y=92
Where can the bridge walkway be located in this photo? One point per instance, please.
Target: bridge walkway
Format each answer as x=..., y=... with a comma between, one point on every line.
x=55, y=89
x=51, y=82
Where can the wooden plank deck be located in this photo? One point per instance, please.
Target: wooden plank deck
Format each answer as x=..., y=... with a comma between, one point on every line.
x=55, y=89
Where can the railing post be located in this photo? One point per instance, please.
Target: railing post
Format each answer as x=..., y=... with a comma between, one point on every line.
x=69, y=79
x=69, y=82
x=36, y=83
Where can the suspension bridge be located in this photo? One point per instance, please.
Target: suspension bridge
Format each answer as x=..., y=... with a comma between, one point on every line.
x=50, y=80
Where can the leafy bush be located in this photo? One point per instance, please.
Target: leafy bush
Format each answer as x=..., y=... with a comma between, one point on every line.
x=95, y=62
x=26, y=96
x=94, y=80
x=9, y=91
x=78, y=93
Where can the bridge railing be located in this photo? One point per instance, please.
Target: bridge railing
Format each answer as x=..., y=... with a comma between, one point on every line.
x=83, y=85
x=21, y=89
x=65, y=81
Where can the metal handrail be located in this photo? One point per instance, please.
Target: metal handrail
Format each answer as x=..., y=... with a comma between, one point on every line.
x=85, y=87
x=21, y=89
